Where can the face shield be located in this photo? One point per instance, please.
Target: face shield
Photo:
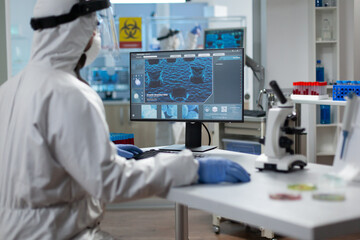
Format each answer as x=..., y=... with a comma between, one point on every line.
x=108, y=34
x=107, y=29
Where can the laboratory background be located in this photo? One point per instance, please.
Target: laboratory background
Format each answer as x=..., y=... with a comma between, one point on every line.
x=311, y=48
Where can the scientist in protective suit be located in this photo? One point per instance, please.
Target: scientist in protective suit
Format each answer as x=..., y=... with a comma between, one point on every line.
x=58, y=166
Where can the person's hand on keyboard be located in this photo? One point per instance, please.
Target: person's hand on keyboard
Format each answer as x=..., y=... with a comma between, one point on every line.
x=216, y=170
x=127, y=150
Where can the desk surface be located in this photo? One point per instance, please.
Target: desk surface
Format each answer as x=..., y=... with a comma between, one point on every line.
x=250, y=202
x=320, y=102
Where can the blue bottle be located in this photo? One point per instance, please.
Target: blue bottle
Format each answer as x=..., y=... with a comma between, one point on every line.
x=319, y=71
x=324, y=114
x=318, y=3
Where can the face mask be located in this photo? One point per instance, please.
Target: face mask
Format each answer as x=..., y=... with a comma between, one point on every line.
x=94, y=50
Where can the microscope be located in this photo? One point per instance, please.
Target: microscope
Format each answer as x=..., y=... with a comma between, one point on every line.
x=278, y=154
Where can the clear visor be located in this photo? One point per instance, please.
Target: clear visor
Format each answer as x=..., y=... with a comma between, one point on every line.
x=108, y=32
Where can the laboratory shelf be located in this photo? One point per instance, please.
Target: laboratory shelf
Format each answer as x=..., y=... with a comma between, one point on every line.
x=326, y=42
x=296, y=97
x=325, y=154
x=326, y=48
x=326, y=8
x=321, y=139
x=320, y=102
x=327, y=125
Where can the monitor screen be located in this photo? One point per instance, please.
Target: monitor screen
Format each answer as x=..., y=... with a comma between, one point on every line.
x=204, y=85
x=225, y=38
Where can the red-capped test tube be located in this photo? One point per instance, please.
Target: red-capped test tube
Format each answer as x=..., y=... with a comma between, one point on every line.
x=296, y=89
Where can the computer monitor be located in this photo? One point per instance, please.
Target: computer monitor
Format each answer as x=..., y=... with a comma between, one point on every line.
x=225, y=38
x=192, y=86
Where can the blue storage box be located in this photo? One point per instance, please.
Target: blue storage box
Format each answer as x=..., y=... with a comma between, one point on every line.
x=122, y=138
x=340, y=91
x=242, y=146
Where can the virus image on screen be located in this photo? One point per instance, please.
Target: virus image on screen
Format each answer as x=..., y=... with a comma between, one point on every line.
x=190, y=111
x=149, y=111
x=178, y=80
x=169, y=111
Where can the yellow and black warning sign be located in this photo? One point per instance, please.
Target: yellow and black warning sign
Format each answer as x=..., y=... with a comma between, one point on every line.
x=130, y=32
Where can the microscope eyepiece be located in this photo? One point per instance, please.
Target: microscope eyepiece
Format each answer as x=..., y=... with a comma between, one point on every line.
x=277, y=91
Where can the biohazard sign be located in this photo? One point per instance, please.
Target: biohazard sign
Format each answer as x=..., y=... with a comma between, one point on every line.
x=130, y=32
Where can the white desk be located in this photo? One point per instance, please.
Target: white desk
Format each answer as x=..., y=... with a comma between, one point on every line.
x=250, y=203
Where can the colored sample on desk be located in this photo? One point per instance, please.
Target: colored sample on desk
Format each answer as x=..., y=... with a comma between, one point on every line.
x=285, y=196
x=330, y=197
x=302, y=187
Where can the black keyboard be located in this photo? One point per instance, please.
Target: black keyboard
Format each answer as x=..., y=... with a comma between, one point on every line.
x=154, y=152
x=254, y=113
x=150, y=153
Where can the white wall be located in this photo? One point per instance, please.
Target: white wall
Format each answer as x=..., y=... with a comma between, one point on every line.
x=287, y=43
x=357, y=40
x=346, y=12
x=263, y=16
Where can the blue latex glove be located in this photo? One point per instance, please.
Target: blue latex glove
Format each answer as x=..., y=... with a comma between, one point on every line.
x=127, y=150
x=216, y=170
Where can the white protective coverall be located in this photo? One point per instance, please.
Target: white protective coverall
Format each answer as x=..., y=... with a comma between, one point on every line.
x=58, y=167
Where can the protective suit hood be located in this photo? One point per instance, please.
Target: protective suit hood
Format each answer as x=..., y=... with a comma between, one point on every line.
x=62, y=46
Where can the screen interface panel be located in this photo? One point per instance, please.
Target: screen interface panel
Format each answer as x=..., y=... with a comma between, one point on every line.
x=224, y=38
x=193, y=85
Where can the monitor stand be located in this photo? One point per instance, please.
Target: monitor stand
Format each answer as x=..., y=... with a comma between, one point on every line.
x=192, y=139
